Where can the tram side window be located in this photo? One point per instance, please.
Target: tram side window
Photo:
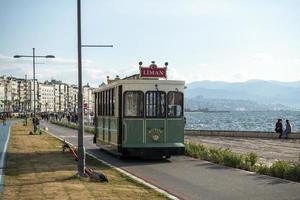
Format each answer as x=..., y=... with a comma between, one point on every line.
x=134, y=104
x=155, y=104
x=100, y=103
x=106, y=101
x=96, y=104
x=113, y=102
x=175, y=104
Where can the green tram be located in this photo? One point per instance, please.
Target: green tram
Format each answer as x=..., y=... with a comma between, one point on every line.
x=140, y=117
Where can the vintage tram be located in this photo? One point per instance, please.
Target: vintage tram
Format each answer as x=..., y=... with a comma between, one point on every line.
x=141, y=115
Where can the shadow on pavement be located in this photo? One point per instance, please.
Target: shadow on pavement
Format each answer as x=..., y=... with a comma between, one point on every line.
x=270, y=180
x=124, y=162
x=266, y=179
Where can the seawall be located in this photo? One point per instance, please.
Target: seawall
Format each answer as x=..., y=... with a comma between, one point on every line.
x=249, y=134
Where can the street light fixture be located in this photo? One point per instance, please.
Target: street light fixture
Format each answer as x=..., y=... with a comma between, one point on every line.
x=33, y=56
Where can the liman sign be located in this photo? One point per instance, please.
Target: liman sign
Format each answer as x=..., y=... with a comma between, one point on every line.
x=153, y=71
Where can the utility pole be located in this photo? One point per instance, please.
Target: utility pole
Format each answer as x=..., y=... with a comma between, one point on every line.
x=81, y=149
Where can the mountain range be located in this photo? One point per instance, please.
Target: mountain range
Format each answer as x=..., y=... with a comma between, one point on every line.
x=249, y=95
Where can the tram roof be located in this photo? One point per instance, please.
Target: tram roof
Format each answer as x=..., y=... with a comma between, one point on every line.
x=139, y=81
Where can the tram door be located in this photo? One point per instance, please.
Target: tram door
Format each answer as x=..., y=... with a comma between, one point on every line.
x=155, y=113
x=133, y=119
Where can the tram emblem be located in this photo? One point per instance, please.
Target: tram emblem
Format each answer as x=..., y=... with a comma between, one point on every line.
x=153, y=71
x=155, y=134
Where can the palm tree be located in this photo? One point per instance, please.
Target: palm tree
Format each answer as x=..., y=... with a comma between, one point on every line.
x=7, y=104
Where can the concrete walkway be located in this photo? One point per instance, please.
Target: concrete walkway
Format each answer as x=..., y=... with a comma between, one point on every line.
x=189, y=178
x=268, y=150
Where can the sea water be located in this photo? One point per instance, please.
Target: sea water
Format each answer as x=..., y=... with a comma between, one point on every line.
x=241, y=120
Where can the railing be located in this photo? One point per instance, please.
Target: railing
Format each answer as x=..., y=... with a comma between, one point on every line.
x=249, y=134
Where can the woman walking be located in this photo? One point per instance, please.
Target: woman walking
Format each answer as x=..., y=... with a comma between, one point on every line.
x=278, y=127
x=288, y=129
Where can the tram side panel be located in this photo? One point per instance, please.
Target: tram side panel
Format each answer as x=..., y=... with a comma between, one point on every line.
x=107, y=120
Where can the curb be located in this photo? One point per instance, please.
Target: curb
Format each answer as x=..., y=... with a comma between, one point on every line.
x=139, y=180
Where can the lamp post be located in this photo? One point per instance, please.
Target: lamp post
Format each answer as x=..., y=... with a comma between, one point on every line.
x=81, y=150
x=33, y=56
x=26, y=100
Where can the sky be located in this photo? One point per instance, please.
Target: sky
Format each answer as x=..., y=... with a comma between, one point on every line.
x=232, y=40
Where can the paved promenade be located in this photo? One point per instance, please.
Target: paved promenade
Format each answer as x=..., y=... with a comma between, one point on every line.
x=268, y=150
x=189, y=178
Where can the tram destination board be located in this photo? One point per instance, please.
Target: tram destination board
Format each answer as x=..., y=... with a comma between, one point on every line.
x=153, y=71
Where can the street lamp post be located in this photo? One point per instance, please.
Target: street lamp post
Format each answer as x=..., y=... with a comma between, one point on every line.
x=26, y=99
x=81, y=150
x=33, y=66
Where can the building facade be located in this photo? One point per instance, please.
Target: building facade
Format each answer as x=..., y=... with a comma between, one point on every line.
x=17, y=95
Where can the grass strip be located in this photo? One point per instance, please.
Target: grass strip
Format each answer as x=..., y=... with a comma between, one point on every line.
x=281, y=169
x=36, y=168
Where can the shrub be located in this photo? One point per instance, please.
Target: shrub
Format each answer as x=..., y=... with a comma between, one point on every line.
x=232, y=159
x=196, y=150
x=293, y=172
x=73, y=126
x=286, y=170
x=216, y=155
x=251, y=158
x=262, y=169
x=281, y=169
x=278, y=169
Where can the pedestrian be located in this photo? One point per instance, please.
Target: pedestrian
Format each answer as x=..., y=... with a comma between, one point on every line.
x=278, y=127
x=288, y=129
x=4, y=120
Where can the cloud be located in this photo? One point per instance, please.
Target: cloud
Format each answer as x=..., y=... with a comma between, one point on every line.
x=174, y=8
x=262, y=58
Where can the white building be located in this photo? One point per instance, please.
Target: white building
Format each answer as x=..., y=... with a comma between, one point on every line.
x=46, y=97
x=88, y=99
x=17, y=95
x=2, y=96
x=73, y=93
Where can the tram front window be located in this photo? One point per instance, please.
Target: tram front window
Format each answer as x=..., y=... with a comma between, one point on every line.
x=134, y=104
x=155, y=104
x=175, y=104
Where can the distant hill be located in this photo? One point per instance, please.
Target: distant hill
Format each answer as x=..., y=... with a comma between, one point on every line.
x=254, y=94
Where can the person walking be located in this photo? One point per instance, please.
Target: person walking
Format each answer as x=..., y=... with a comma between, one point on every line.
x=4, y=120
x=288, y=129
x=278, y=128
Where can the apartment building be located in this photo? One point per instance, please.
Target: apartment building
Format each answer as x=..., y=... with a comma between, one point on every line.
x=17, y=95
x=2, y=97
x=7, y=94
x=88, y=99
x=73, y=97
x=45, y=97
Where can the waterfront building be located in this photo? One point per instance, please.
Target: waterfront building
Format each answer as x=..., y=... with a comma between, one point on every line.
x=88, y=99
x=7, y=94
x=72, y=96
x=45, y=97
x=2, y=97
x=16, y=95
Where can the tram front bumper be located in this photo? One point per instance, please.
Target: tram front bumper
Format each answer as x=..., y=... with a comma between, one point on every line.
x=152, y=152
